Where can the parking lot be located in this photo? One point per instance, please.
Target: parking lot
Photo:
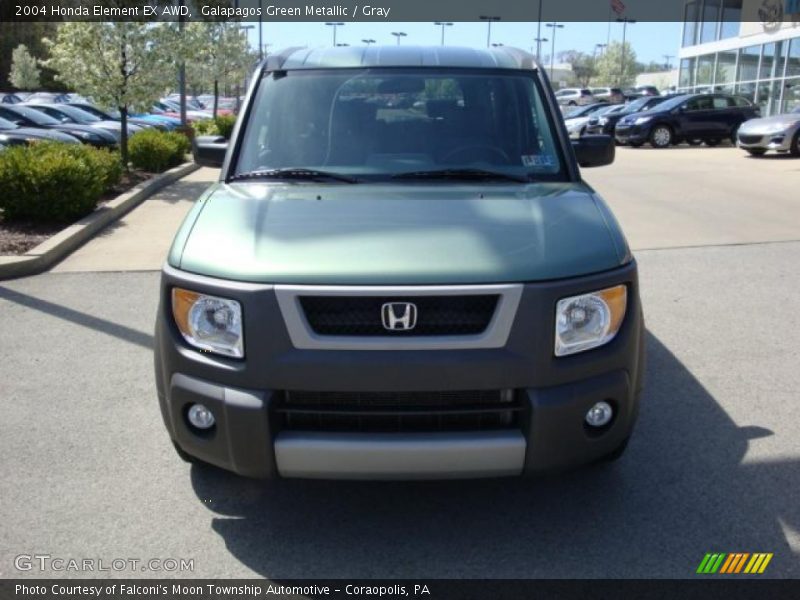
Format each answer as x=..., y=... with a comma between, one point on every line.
x=714, y=464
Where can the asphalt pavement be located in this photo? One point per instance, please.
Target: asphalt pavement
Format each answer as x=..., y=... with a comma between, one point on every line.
x=714, y=464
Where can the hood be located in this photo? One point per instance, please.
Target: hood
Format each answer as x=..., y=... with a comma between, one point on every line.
x=398, y=234
x=40, y=134
x=769, y=124
x=68, y=127
x=576, y=122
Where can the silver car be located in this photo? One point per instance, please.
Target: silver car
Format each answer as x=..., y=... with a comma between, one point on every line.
x=780, y=133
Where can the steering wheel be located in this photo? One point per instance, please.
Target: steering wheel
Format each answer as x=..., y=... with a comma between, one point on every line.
x=498, y=152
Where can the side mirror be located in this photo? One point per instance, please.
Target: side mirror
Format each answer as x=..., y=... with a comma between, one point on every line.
x=594, y=150
x=209, y=150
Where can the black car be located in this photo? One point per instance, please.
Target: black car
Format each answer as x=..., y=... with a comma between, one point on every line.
x=69, y=114
x=25, y=116
x=607, y=122
x=12, y=134
x=693, y=118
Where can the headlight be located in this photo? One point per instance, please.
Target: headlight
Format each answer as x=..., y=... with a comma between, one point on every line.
x=589, y=320
x=642, y=120
x=208, y=322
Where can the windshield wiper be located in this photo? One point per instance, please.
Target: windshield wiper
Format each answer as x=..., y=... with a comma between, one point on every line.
x=293, y=173
x=463, y=174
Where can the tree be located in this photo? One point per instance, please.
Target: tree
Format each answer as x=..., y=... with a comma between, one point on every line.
x=126, y=65
x=25, y=71
x=220, y=56
x=583, y=65
x=615, y=69
x=14, y=33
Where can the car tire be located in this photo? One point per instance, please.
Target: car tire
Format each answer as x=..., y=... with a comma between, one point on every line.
x=713, y=142
x=661, y=136
x=572, y=103
x=756, y=151
x=794, y=149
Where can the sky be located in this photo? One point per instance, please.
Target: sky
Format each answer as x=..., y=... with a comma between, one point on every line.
x=650, y=41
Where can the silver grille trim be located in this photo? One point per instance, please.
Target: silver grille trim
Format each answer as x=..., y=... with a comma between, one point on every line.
x=303, y=337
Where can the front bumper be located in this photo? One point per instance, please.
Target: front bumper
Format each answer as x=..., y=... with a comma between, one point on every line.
x=554, y=394
x=631, y=134
x=780, y=142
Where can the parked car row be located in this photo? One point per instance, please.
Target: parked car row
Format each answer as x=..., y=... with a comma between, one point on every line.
x=705, y=118
x=568, y=97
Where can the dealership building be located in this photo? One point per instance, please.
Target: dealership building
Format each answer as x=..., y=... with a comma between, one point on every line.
x=746, y=47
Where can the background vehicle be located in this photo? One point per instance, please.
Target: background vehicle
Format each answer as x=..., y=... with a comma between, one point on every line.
x=13, y=134
x=697, y=118
x=606, y=123
x=780, y=133
x=609, y=94
x=170, y=109
x=9, y=98
x=642, y=90
x=69, y=114
x=46, y=98
x=585, y=111
x=577, y=119
x=26, y=116
x=575, y=97
x=396, y=211
x=105, y=116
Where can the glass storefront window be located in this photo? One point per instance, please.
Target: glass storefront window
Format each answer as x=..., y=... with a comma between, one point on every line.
x=705, y=69
x=746, y=89
x=731, y=17
x=686, y=78
x=691, y=17
x=708, y=31
x=766, y=97
x=767, y=60
x=791, y=95
x=726, y=67
x=793, y=59
x=748, y=63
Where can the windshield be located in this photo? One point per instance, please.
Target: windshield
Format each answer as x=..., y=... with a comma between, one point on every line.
x=34, y=115
x=672, y=102
x=375, y=123
x=79, y=114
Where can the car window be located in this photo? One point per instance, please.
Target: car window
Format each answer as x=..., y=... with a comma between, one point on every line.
x=741, y=102
x=58, y=115
x=379, y=122
x=700, y=103
x=722, y=102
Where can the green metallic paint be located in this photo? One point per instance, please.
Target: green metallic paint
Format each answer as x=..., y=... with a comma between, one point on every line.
x=398, y=233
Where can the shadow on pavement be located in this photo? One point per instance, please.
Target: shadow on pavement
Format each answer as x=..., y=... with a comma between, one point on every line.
x=680, y=491
x=79, y=318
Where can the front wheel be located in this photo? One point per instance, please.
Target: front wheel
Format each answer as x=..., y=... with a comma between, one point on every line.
x=661, y=136
x=756, y=151
x=794, y=149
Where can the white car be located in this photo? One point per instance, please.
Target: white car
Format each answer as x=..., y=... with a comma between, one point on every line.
x=575, y=97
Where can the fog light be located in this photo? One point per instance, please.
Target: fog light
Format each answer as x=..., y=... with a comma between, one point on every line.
x=600, y=414
x=200, y=417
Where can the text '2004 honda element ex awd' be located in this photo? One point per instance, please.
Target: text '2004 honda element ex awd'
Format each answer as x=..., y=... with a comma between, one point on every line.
x=399, y=275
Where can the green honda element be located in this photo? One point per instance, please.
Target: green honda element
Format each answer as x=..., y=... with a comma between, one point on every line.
x=400, y=274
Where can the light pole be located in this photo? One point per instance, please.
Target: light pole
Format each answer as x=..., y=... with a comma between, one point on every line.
x=488, y=20
x=334, y=25
x=601, y=47
x=555, y=27
x=260, y=31
x=539, y=41
x=246, y=29
x=624, y=21
x=398, y=35
x=667, y=65
x=497, y=44
x=341, y=45
x=368, y=41
x=443, y=24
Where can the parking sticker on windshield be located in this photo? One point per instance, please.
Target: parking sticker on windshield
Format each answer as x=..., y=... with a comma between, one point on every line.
x=537, y=160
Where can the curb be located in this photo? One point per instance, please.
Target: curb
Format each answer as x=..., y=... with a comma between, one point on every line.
x=62, y=244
